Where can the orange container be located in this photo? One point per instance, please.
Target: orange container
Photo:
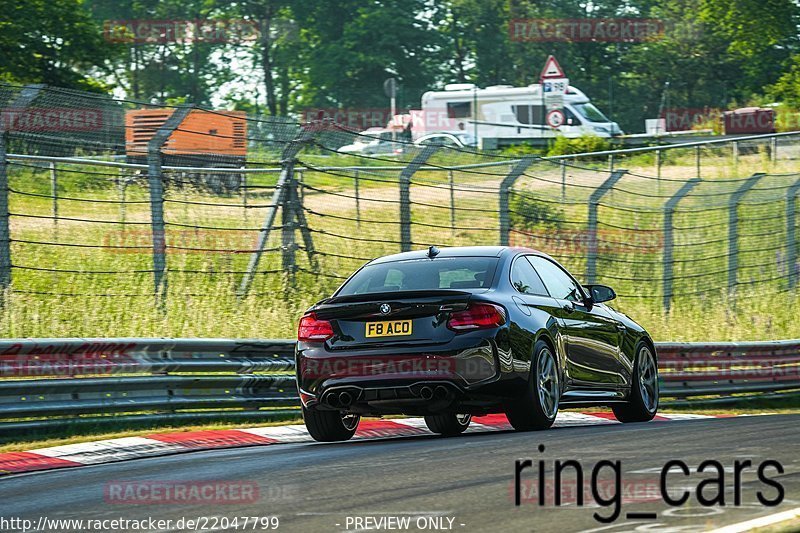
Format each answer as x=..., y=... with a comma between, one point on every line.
x=201, y=132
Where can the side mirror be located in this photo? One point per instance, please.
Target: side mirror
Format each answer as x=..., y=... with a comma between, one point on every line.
x=601, y=293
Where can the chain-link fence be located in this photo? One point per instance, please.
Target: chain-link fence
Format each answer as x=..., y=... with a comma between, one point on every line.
x=107, y=203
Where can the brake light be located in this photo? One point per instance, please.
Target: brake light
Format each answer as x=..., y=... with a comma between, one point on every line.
x=313, y=329
x=477, y=316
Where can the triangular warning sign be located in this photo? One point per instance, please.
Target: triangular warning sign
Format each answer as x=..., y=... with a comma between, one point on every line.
x=551, y=69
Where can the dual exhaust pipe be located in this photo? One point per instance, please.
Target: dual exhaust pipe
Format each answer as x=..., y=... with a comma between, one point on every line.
x=345, y=398
x=438, y=393
x=340, y=399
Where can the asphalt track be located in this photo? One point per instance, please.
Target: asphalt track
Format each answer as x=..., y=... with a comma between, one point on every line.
x=469, y=479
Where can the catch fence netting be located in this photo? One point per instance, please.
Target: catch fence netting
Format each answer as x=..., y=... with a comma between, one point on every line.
x=252, y=208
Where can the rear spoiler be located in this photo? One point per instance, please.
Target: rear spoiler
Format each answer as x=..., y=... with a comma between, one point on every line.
x=395, y=295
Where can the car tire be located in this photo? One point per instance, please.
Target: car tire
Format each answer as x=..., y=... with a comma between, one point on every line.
x=330, y=426
x=448, y=425
x=643, y=402
x=537, y=408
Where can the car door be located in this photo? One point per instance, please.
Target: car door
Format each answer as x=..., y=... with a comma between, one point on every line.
x=533, y=300
x=592, y=336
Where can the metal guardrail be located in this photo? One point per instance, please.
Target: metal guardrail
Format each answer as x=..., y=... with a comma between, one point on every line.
x=51, y=382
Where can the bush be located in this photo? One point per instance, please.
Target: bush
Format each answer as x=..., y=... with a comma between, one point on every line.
x=528, y=213
x=578, y=145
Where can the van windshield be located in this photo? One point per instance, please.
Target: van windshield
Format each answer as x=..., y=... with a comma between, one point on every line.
x=422, y=274
x=590, y=112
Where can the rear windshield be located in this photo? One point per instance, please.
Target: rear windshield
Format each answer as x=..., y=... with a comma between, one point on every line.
x=423, y=274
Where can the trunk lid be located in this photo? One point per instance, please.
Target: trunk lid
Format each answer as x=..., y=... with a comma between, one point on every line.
x=406, y=318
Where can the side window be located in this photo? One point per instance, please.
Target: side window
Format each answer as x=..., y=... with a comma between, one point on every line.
x=529, y=114
x=569, y=115
x=558, y=282
x=459, y=109
x=525, y=279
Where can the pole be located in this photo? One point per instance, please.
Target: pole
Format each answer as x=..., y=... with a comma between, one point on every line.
x=669, y=211
x=594, y=202
x=393, y=104
x=405, y=194
x=288, y=224
x=358, y=199
x=156, y=186
x=278, y=199
x=25, y=97
x=733, y=227
x=791, y=233
x=475, y=115
x=54, y=189
x=697, y=159
x=505, y=186
x=5, y=234
x=452, y=203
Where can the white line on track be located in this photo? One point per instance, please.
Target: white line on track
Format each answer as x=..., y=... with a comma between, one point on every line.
x=763, y=521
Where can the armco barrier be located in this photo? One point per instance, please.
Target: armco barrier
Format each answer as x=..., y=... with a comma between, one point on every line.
x=46, y=382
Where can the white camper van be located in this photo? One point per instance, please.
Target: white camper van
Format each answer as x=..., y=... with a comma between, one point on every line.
x=506, y=114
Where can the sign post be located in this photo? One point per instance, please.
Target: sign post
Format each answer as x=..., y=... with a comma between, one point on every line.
x=390, y=89
x=554, y=84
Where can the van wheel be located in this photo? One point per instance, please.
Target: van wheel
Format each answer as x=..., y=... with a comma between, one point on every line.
x=538, y=406
x=330, y=426
x=448, y=425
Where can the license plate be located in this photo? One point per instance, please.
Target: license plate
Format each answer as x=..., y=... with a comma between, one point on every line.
x=391, y=328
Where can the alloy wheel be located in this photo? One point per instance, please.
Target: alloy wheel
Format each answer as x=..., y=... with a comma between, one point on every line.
x=547, y=375
x=648, y=379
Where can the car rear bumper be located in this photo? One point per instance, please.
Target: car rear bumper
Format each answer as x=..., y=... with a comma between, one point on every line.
x=399, y=379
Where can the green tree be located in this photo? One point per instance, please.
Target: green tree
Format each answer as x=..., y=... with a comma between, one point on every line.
x=348, y=48
x=54, y=42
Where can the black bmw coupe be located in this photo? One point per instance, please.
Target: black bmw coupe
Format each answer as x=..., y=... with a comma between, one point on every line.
x=451, y=333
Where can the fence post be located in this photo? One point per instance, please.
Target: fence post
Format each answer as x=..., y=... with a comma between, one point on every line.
x=23, y=100
x=358, y=199
x=563, y=180
x=611, y=162
x=773, y=152
x=289, y=224
x=451, y=181
x=791, y=234
x=669, y=210
x=54, y=190
x=594, y=202
x=244, y=191
x=122, y=186
x=405, y=194
x=697, y=159
x=733, y=227
x=505, y=219
x=156, y=186
x=278, y=200
x=5, y=235
x=735, y=148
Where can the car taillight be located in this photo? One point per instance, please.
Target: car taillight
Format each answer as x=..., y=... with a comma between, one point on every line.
x=313, y=329
x=477, y=316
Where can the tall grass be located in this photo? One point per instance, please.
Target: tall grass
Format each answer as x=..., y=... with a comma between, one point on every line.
x=68, y=289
